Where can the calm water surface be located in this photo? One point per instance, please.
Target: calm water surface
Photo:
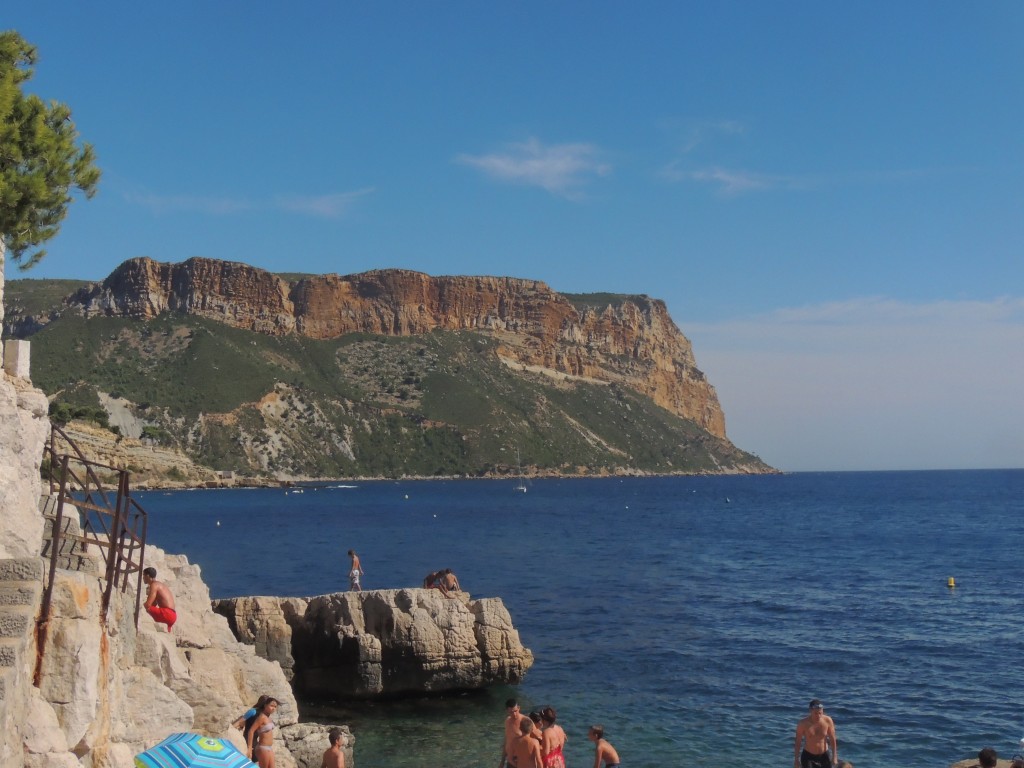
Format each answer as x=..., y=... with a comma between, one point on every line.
x=693, y=617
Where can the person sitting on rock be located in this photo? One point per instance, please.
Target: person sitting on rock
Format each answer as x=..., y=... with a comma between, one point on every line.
x=987, y=758
x=435, y=580
x=159, y=600
x=450, y=581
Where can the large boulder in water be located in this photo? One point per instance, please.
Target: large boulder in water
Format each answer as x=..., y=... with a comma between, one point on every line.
x=382, y=642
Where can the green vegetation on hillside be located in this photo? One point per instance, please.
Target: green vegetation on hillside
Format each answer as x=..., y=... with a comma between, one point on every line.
x=36, y=297
x=438, y=404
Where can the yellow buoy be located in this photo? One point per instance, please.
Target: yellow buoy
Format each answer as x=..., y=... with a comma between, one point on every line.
x=951, y=583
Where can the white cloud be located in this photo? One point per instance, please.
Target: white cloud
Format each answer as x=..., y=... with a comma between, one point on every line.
x=873, y=383
x=330, y=206
x=558, y=168
x=691, y=134
x=732, y=182
x=326, y=206
x=213, y=206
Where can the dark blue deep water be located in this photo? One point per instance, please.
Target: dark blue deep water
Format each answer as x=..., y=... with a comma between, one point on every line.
x=693, y=617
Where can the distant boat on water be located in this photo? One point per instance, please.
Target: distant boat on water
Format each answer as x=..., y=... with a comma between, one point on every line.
x=521, y=488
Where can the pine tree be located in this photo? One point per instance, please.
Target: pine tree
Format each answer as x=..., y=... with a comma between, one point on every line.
x=41, y=162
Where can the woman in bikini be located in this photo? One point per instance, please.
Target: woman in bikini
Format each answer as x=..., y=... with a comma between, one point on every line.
x=261, y=736
x=552, y=740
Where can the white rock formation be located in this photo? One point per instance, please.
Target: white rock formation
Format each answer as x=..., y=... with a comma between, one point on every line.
x=106, y=689
x=379, y=643
x=24, y=427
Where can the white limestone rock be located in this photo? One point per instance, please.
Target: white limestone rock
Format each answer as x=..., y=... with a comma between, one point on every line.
x=24, y=427
x=384, y=642
x=42, y=732
x=307, y=742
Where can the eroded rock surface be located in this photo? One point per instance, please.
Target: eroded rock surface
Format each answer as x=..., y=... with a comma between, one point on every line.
x=380, y=643
x=632, y=342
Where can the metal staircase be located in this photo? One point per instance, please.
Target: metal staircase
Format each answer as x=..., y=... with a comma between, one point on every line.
x=90, y=527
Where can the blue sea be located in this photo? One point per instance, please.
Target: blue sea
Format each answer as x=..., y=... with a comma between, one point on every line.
x=694, y=617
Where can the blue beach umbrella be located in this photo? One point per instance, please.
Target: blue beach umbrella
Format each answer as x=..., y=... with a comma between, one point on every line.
x=190, y=750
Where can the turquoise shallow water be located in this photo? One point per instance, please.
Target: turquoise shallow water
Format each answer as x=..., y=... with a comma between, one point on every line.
x=694, y=617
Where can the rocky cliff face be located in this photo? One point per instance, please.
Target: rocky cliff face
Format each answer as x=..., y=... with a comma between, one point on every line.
x=633, y=342
x=106, y=690
x=381, y=643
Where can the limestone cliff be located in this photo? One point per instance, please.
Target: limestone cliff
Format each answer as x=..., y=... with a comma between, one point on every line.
x=382, y=643
x=104, y=689
x=632, y=342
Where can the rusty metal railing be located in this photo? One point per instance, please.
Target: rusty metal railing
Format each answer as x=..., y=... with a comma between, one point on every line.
x=112, y=521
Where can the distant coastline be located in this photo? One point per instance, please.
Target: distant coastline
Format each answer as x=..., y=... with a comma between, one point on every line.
x=300, y=483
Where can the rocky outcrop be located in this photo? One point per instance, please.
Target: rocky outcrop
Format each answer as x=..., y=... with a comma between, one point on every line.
x=24, y=427
x=149, y=464
x=382, y=643
x=632, y=342
x=78, y=688
x=108, y=691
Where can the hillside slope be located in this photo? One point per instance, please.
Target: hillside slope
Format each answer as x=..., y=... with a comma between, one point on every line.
x=250, y=373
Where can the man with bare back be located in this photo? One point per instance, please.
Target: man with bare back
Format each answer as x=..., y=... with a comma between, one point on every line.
x=334, y=757
x=159, y=600
x=815, y=735
x=514, y=720
x=450, y=581
x=524, y=750
x=355, y=573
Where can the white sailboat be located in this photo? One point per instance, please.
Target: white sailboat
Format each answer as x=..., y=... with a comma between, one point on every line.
x=521, y=488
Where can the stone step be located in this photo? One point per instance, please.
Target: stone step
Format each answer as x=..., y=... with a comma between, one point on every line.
x=9, y=651
x=14, y=624
x=21, y=569
x=68, y=523
x=79, y=562
x=14, y=595
x=66, y=547
x=48, y=505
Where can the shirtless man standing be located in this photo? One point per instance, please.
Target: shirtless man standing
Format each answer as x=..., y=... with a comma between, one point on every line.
x=816, y=733
x=524, y=750
x=159, y=600
x=355, y=573
x=334, y=757
x=514, y=720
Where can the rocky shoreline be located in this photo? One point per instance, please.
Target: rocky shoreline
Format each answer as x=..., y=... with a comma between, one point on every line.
x=80, y=686
x=155, y=468
x=383, y=643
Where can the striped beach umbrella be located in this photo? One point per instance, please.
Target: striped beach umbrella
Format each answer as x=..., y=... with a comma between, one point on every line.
x=190, y=750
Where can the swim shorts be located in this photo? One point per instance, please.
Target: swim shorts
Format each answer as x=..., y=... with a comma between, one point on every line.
x=163, y=615
x=807, y=760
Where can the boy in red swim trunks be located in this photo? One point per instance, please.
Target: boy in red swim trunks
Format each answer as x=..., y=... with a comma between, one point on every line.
x=159, y=600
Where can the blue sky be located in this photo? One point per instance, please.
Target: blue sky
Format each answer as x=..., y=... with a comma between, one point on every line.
x=828, y=196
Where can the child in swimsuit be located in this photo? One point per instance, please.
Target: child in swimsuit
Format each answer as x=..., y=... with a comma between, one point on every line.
x=602, y=749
